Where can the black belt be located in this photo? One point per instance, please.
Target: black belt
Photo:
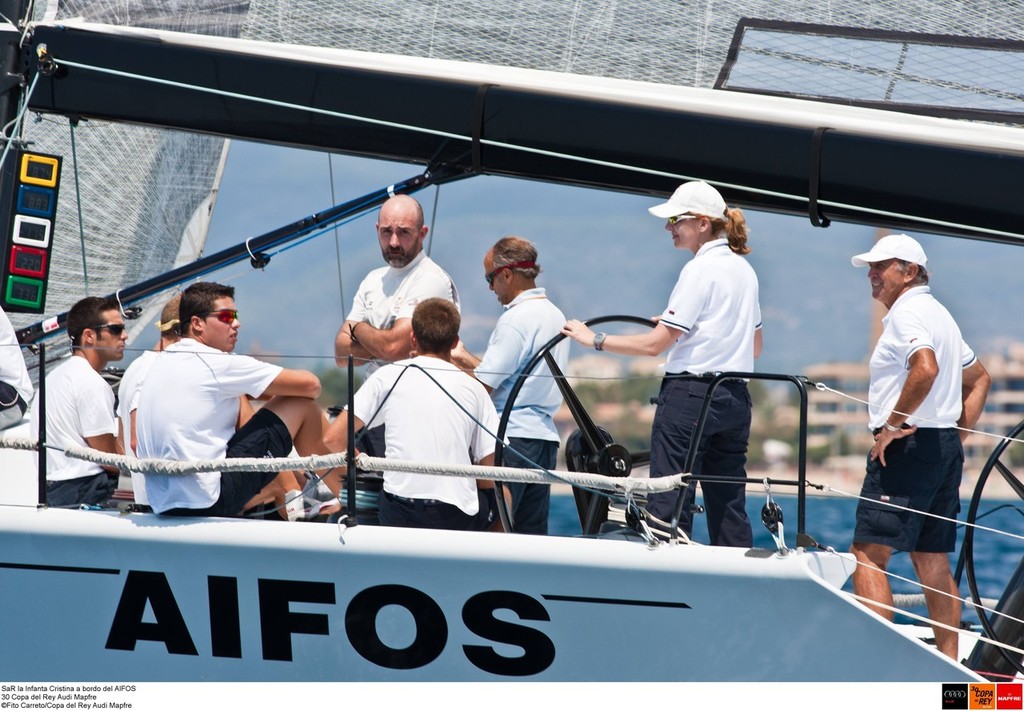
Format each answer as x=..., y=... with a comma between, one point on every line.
x=412, y=502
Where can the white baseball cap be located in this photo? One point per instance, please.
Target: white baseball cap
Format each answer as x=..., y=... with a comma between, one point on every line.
x=696, y=197
x=902, y=247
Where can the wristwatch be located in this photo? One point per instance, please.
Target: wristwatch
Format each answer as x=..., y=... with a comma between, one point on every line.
x=599, y=341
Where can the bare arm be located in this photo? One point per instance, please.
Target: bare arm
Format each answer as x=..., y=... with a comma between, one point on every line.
x=297, y=383
x=467, y=363
x=758, y=342
x=105, y=443
x=651, y=343
x=976, y=383
x=336, y=434
x=390, y=344
x=344, y=346
x=923, y=371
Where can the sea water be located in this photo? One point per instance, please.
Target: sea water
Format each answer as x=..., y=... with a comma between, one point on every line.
x=830, y=520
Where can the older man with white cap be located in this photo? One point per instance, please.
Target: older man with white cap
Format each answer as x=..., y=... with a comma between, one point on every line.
x=712, y=323
x=925, y=383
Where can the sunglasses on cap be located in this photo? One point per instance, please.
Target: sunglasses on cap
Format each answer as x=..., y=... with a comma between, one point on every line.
x=228, y=316
x=679, y=218
x=116, y=329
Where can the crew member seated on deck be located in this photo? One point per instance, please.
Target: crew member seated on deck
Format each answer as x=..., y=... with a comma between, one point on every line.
x=15, y=384
x=80, y=405
x=432, y=412
x=191, y=408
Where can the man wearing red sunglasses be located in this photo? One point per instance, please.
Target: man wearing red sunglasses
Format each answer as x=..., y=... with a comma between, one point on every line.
x=194, y=406
x=80, y=405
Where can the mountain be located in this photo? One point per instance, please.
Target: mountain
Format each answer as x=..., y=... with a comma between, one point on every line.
x=601, y=253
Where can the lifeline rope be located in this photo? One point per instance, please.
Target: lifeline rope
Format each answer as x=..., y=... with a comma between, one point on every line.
x=329, y=461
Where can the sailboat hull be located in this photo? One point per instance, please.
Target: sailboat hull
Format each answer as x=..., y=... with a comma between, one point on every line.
x=135, y=597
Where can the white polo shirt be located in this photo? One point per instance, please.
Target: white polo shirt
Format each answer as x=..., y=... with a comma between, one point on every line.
x=530, y=321
x=915, y=321
x=127, y=401
x=79, y=404
x=715, y=305
x=388, y=294
x=425, y=424
x=188, y=409
x=12, y=361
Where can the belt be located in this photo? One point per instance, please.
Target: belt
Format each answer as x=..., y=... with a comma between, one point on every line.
x=412, y=502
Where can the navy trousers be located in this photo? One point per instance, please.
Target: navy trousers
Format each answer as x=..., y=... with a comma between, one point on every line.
x=721, y=452
x=530, y=502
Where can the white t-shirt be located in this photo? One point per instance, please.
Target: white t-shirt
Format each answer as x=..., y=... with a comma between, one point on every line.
x=423, y=423
x=12, y=361
x=715, y=304
x=530, y=321
x=127, y=401
x=79, y=404
x=915, y=321
x=187, y=410
x=388, y=294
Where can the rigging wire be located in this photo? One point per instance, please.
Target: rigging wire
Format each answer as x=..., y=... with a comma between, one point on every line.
x=78, y=203
x=337, y=241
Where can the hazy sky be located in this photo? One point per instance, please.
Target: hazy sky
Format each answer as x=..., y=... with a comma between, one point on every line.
x=601, y=254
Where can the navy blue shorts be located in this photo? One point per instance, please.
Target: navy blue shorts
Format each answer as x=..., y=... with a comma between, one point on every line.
x=88, y=490
x=264, y=436
x=923, y=474
x=428, y=513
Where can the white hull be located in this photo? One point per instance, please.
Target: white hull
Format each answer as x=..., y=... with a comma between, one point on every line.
x=96, y=595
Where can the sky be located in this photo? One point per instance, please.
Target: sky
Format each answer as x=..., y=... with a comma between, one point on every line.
x=601, y=254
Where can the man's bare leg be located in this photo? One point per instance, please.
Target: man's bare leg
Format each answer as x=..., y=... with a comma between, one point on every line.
x=942, y=597
x=869, y=579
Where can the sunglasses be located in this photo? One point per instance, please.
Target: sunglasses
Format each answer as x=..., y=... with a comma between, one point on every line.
x=489, y=276
x=116, y=329
x=228, y=316
x=679, y=218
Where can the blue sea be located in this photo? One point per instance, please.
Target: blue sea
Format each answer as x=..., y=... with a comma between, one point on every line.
x=829, y=520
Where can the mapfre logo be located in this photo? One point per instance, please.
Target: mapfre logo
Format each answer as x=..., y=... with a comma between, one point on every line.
x=954, y=696
x=1009, y=696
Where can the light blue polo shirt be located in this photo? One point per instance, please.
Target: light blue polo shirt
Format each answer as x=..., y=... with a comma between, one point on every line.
x=530, y=320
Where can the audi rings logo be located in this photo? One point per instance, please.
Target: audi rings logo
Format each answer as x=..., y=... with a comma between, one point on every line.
x=982, y=696
x=954, y=696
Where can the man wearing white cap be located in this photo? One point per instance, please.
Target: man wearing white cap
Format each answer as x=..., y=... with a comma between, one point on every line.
x=712, y=324
x=925, y=383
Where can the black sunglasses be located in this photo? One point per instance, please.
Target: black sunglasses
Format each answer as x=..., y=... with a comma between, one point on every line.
x=116, y=329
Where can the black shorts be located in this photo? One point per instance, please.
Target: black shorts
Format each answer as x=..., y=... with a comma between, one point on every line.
x=264, y=436
x=923, y=474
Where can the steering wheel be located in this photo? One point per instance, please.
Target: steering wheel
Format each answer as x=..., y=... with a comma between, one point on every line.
x=1003, y=629
x=595, y=450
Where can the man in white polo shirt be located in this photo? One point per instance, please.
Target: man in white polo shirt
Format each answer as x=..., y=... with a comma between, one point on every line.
x=925, y=383
x=433, y=413
x=378, y=329
x=80, y=405
x=191, y=408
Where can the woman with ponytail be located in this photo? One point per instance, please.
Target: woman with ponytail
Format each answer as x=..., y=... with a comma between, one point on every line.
x=712, y=324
